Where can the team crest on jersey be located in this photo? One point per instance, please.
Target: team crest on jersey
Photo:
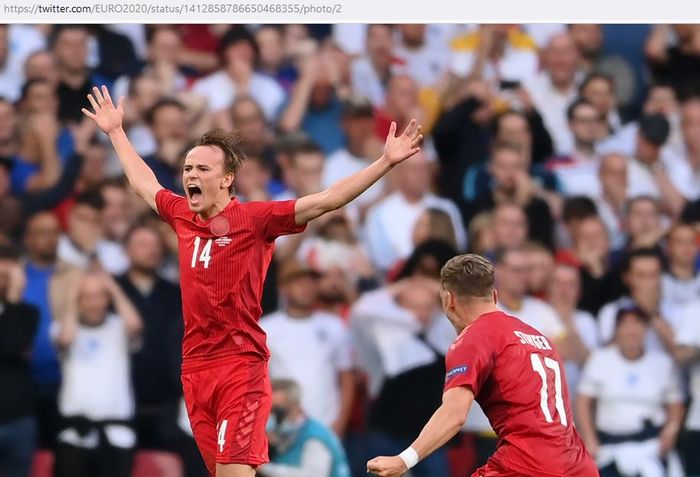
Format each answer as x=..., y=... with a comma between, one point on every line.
x=455, y=371
x=222, y=241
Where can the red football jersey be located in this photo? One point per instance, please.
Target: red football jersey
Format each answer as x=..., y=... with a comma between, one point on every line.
x=223, y=263
x=519, y=382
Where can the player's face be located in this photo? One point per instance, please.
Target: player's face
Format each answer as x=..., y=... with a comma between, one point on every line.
x=204, y=179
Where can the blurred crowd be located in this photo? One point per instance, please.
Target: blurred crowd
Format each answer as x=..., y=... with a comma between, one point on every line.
x=567, y=154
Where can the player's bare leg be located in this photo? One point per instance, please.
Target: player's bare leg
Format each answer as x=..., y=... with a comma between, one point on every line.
x=234, y=470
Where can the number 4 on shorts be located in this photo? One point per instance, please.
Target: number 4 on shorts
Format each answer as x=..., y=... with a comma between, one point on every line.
x=222, y=434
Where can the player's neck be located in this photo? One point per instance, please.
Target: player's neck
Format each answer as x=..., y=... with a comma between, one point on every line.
x=513, y=303
x=216, y=208
x=477, y=311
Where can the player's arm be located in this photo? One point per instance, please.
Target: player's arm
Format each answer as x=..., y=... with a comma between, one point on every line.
x=109, y=119
x=442, y=426
x=396, y=150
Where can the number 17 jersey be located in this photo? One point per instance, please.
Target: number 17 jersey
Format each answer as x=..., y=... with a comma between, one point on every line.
x=518, y=380
x=223, y=264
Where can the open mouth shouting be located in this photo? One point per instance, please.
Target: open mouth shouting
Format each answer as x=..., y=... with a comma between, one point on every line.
x=194, y=193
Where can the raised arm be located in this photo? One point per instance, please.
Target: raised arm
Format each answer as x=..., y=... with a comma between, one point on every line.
x=109, y=119
x=396, y=150
x=443, y=426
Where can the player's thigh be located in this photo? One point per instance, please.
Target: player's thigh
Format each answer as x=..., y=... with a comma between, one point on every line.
x=234, y=470
x=202, y=419
x=244, y=401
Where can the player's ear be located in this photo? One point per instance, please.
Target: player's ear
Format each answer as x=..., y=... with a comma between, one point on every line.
x=227, y=180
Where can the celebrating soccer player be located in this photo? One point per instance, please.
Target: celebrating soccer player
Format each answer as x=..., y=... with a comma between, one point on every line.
x=516, y=377
x=225, y=248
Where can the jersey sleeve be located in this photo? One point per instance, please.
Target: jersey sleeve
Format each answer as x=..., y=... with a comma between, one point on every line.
x=469, y=363
x=274, y=218
x=169, y=205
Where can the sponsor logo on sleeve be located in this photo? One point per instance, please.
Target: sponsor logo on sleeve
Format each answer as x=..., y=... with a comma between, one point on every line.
x=455, y=371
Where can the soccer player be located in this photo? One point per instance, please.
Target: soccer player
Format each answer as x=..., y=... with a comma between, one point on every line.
x=516, y=377
x=225, y=248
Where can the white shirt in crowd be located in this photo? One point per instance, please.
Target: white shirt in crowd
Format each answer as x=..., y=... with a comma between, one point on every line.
x=587, y=329
x=23, y=40
x=366, y=82
x=679, y=291
x=220, y=91
x=606, y=321
x=110, y=254
x=579, y=177
x=538, y=314
x=628, y=393
x=390, y=222
x=88, y=391
x=689, y=335
x=552, y=104
x=426, y=65
x=311, y=351
x=612, y=222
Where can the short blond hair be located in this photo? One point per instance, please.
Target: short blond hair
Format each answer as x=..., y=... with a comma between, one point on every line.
x=468, y=276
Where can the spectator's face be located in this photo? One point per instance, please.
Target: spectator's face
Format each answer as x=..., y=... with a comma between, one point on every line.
x=588, y=38
x=41, y=98
x=94, y=160
x=682, y=246
x=251, y=177
x=591, y=236
x=41, y=65
x=613, y=176
x=415, y=175
x=661, y=100
x=271, y=47
x=512, y=274
x=334, y=286
x=402, y=96
x=306, y=173
x=422, y=229
x=515, y=129
x=599, y=92
x=249, y=121
x=240, y=52
x=165, y=47
x=93, y=301
x=379, y=44
x=584, y=124
x=169, y=123
x=145, y=250
x=147, y=92
x=115, y=214
x=541, y=264
x=301, y=292
x=84, y=225
x=509, y=226
x=643, y=219
x=691, y=124
x=41, y=237
x=644, y=277
x=413, y=35
x=630, y=335
x=71, y=49
x=204, y=177
x=506, y=166
x=564, y=286
x=421, y=302
x=8, y=122
x=358, y=130
x=560, y=58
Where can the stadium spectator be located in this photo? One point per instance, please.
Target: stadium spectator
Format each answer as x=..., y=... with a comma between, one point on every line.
x=401, y=339
x=599, y=90
x=540, y=268
x=96, y=437
x=610, y=204
x=424, y=61
x=636, y=397
x=300, y=445
x=434, y=224
x=273, y=60
x=18, y=325
x=310, y=347
x=155, y=367
x=509, y=227
x=674, y=63
x=371, y=71
x=643, y=223
x=681, y=282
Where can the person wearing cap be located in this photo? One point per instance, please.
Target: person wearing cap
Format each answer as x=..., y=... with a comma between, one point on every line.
x=630, y=403
x=647, y=171
x=310, y=347
x=238, y=76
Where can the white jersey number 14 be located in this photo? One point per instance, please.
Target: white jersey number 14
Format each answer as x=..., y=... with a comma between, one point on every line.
x=205, y=256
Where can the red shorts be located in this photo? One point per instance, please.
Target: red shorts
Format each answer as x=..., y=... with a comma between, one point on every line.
x=228, y=404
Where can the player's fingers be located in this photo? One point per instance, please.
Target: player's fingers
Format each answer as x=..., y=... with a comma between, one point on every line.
x=417, y=141
x=105, y=93
x=120, y=106
x=89, y=114
x=410, y=128
x=98, y=95
x=392, y=130
x=94, y=104
x=417, y=132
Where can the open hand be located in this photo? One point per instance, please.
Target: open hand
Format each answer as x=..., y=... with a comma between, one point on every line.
x=106, y=115
x=398, y=149
x=387, y=466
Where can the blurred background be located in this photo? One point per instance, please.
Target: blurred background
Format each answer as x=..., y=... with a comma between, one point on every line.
x=568, y=154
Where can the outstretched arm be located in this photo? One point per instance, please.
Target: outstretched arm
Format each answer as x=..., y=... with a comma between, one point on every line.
x=396, y=150
x=109, y=119
x=443, y=426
